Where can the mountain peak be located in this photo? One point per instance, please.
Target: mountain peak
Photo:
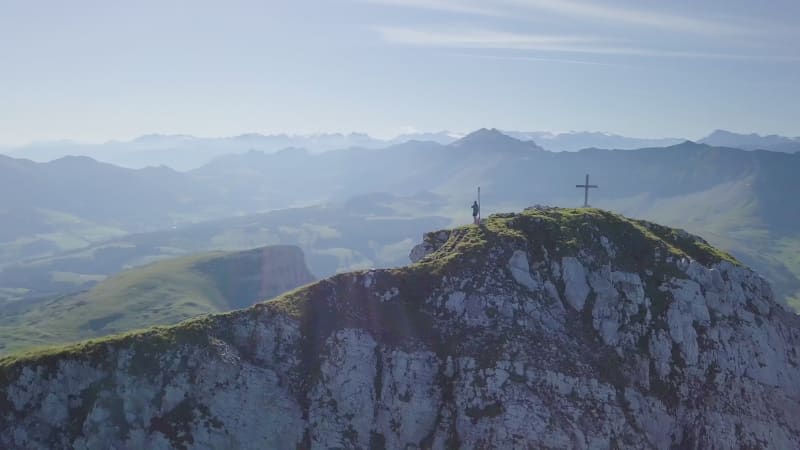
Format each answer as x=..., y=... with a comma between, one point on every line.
x=562, y=231
x=720, y=133
x=752, y=141
x=493, y=140
x=481, y=135
x=78, y=162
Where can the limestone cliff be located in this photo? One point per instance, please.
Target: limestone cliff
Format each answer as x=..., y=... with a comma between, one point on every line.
x=545, y=329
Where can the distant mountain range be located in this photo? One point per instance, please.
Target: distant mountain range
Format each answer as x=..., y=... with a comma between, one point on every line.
x=184, y=152
x=578, y=140
x=773, y=142
x=735, y=198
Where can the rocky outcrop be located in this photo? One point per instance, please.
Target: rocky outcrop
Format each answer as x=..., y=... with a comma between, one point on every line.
x=546, y=329
x=430, y=243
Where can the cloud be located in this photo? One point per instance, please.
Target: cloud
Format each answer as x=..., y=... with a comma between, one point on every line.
x=500, y=40
x=480, y=39
x=540, y=59
x=590, y=11
x=630, y=16
x=455, y=6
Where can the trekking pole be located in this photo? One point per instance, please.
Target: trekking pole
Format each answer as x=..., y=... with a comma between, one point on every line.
x=480, y=212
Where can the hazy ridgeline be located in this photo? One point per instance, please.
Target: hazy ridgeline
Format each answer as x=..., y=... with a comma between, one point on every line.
x=184, y=152
x=73, y=221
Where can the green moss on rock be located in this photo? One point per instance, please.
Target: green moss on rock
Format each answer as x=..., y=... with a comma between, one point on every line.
x=146, y=345
x=567, y=231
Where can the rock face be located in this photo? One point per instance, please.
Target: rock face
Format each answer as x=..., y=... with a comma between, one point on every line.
x=430, y=243
x=245, y=277
x=546, y=329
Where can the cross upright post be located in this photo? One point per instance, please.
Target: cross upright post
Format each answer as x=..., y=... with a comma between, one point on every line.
x=586, y=186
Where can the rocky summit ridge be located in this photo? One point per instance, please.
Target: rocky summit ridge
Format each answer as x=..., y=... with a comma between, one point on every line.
x=551, y=328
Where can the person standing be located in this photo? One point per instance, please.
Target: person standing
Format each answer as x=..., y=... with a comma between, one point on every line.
x=476, y=212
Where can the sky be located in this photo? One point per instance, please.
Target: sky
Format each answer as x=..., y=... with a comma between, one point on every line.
x=92, y=71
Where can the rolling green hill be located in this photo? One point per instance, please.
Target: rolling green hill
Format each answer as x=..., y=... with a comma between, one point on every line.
x=164, y=292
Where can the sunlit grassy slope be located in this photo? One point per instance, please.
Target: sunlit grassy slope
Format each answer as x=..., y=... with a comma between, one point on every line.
x=161, y=293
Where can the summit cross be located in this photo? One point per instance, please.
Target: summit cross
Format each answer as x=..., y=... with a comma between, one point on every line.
x=586, y=186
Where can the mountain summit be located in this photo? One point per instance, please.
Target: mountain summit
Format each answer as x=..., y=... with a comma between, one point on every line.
x=494, y=140
x=552, y=328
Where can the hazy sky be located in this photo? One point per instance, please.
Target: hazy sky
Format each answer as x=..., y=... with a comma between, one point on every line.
x=98, y=70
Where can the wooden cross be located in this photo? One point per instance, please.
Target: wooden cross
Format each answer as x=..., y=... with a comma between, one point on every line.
x=586, y=186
